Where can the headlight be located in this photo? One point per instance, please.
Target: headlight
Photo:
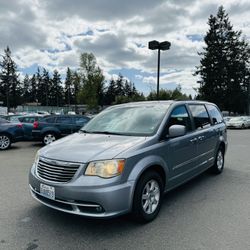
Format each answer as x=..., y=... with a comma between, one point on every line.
x=105, y=169
x=36, y=159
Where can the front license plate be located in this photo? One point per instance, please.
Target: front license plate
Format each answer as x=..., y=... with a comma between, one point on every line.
x=47, y=191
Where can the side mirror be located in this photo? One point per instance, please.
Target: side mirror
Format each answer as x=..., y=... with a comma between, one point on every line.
x=176, y=130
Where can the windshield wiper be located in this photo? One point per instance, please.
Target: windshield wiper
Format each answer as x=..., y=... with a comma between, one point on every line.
x=105, y=132
x=85, y=131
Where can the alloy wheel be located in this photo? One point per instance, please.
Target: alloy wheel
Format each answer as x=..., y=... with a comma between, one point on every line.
x=49, y=138
x=150, y=196
x=4, y=142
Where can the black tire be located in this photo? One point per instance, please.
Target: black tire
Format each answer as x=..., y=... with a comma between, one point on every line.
x=243, y=126
x=218, y=166
x=140, y=212
x=49, y=137
x=5, y=141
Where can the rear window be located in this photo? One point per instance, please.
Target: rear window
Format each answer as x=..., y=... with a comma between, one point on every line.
x=200, y=115
x=215, y=114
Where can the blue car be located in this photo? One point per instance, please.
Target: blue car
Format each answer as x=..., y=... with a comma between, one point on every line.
x=9, y=133
x=27, y=122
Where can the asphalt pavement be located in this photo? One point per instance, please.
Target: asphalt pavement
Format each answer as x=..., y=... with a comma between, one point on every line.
x=209, y=212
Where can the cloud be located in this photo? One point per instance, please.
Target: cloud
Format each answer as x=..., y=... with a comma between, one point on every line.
x=52, y=34
x=19, y=28
x=95, y=10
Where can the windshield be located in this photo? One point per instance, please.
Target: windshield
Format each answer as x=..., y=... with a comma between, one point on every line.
x=128, y=120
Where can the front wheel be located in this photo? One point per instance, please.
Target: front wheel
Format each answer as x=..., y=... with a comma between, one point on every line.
x=49, y=138
x=148, y=197
x=5, y=142
x=218, y=166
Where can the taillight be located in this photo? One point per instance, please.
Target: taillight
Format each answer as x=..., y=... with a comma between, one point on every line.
x=35, y=124
x=19, y=125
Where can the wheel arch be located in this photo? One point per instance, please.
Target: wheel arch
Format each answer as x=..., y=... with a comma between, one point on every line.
x=8, y=134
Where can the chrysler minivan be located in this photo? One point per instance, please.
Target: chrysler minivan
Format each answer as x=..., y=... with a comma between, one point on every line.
x=128, y=156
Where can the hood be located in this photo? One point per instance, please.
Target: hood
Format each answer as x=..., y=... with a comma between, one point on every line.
x=88, y=147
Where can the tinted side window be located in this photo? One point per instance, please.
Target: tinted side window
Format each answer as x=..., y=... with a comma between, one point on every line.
x=64, y=120
x=215, y=114
x=179, y=116
x=200, y=115
x=27, y=119
x=79, y=120
x=50, y=119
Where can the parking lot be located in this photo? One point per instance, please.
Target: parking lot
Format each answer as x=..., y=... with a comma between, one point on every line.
x=209, y=212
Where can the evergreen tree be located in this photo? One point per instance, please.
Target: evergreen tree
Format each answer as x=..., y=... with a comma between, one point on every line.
x=223, y=66
x=26, y=97
x=110, y=93
x=33, y=91
x=69, y=88
x=46, y=86
x=76, y=80
x=40, y=88
x=164, y=94
x=119, y=88
x=56, y=90
x=10, y=86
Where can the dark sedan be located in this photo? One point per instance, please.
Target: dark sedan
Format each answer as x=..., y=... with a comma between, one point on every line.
x=53, y=127
x=9, y=133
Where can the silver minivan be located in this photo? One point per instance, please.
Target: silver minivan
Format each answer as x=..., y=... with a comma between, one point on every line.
x=128, y=156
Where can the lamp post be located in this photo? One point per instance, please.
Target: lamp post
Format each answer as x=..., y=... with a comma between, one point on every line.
x=153, y=45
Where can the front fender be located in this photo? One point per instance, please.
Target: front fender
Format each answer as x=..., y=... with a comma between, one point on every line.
x=144, y=164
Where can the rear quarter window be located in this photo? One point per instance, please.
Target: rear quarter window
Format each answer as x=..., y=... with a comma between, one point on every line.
x=215, y=114
x=64, y=120
x=200, y=115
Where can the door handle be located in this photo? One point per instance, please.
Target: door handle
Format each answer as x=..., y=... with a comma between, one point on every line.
x=194, y=140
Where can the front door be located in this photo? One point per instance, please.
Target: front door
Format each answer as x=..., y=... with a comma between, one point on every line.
x=180, y=152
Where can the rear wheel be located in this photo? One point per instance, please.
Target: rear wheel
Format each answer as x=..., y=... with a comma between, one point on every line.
x=5, y=141
x=218, y=166
x=48, y=138
x=148, y=197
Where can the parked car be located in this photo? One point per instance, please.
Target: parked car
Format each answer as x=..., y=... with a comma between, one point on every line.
x=9, y=133
x=27, y=122
x=12, y=118
x=53, y=127
x=128, y=156
x=239, y=122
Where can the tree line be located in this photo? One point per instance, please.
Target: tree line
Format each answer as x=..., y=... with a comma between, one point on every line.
x=224, y=73
x=87, y=85
x=224, y=68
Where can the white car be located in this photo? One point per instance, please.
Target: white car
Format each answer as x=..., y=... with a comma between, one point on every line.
x=239, y=122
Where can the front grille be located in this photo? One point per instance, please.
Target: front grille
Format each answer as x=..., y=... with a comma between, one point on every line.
x=56, y=171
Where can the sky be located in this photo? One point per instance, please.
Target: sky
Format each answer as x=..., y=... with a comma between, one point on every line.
x=53, y=34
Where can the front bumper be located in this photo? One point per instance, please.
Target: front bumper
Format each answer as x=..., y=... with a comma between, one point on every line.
x=100, y=201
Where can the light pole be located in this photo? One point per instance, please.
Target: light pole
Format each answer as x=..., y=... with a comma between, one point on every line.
x=153, y=45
